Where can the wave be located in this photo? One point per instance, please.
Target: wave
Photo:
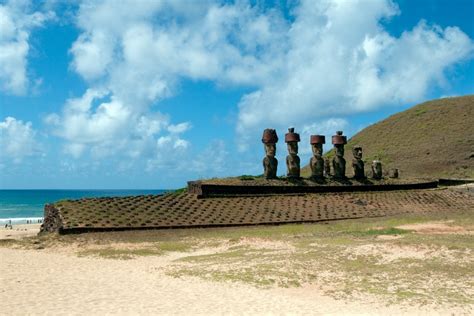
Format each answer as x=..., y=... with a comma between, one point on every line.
x=19, y=220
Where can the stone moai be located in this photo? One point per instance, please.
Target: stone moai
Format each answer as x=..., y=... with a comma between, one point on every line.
x=270, y=163
x=317, y=162
x=357, y=163
x=393, y=173
x=377, y=169
x=292, y=160
x=338, y=162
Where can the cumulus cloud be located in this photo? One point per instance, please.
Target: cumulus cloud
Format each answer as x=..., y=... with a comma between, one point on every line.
x=143, y=49
x=134, y=54
x=103, y=125
x=170, y=152
x=322, y=127
x=341, y=60
x=331, y=59
x=17, y=21
x=17, y=140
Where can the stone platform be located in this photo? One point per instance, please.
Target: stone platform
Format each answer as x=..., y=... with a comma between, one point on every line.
x=188, y=211
x=453, y=181
x=261, y=186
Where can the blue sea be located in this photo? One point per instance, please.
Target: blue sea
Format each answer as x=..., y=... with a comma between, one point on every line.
x=18, y=206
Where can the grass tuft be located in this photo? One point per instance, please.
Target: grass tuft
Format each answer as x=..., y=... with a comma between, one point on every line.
x=383, y=231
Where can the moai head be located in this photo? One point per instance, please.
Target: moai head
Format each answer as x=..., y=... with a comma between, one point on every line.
x=270, y=150
x=357, y=152
x=317, y=142
x=292, y=139
x=339, y=141
x=269, y=140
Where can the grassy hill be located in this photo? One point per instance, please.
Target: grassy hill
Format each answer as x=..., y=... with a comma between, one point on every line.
x=432, y=139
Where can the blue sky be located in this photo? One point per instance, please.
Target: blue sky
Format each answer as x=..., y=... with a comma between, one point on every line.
x=150, y=94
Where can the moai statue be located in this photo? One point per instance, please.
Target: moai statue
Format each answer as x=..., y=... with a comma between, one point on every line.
x=292, y=160
x=338, y=162
x=270, y=163
x=317, y=162
x=357, y=163
x=377, y=169
x=393, y=173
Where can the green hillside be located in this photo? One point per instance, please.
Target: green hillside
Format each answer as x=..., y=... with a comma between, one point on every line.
x=433, y=139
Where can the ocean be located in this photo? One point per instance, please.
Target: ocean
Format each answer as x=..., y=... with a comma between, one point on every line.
x=18, y=206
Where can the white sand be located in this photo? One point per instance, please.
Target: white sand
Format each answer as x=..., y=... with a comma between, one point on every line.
x=40, y=282
x=19, y=231
x=57, y=281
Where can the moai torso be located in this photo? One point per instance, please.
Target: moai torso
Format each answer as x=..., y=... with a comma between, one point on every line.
x=317, y=162
x=357, y=163
x=270, y=163
x=317, y=167
x=270, y=166
x=338, y=162
x=377, y=169
x=293, y=166
x=292, y=160
x=339, y=167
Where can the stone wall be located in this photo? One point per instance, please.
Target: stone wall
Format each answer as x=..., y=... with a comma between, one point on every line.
x=52, y=219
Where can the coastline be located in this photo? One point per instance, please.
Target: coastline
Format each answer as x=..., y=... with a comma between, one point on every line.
x=19, y=206
x=21, y=220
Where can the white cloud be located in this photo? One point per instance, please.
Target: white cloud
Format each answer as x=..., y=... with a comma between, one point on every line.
x=17, y=140
x=170, y=152
x=142, y=49
x=92, y=54
x=342, y=61
x=16, y=24
x=82, y=122
x=137, y=52
x=101, y=124
x=179, y=128
x=326, y=127
x=332, y=59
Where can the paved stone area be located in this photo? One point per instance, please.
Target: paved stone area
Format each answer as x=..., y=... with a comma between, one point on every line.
x=186, y=210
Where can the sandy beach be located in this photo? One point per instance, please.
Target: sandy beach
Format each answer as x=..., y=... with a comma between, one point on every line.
x=19, y=231
x=56, y=280
x=35, y=282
